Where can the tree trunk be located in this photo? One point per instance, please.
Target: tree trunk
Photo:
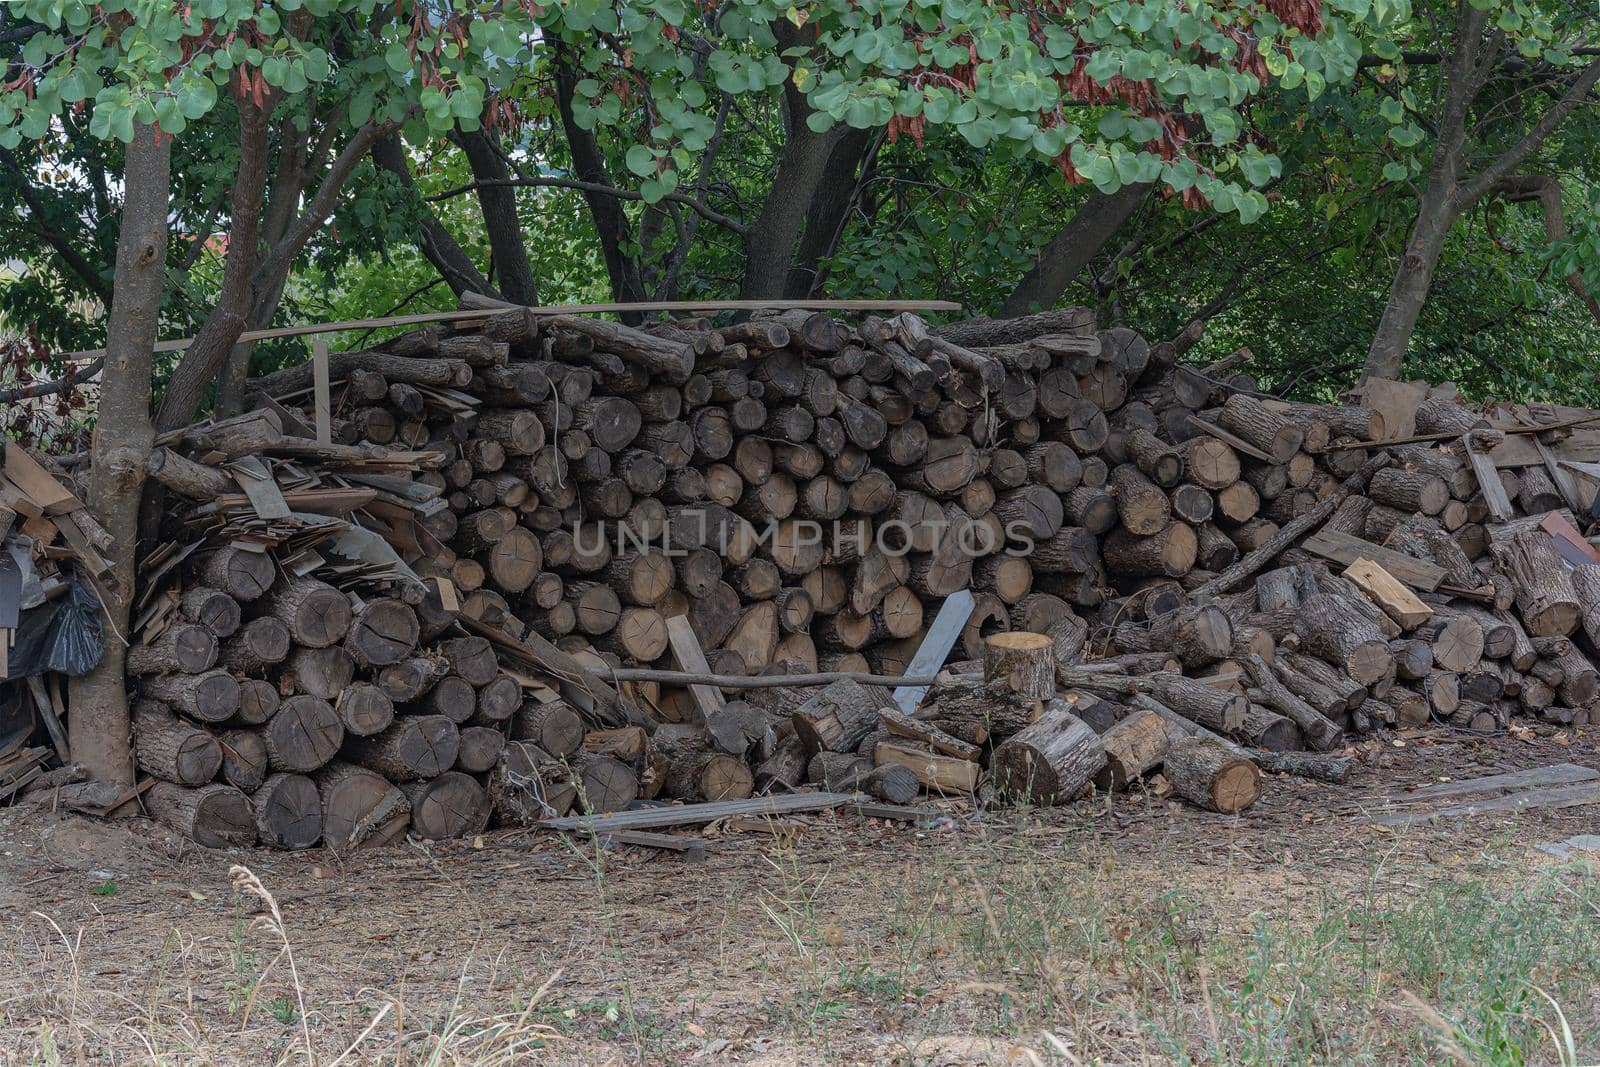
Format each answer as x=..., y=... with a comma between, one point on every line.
x=98, y=729
x=1070, y=251
x=498, y=204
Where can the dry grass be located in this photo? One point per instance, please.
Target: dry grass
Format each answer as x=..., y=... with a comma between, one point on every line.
x=1135, y=933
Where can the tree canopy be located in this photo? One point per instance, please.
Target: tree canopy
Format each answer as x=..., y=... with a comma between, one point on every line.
x=1270, y=165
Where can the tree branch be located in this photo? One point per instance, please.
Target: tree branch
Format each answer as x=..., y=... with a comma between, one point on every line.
x=455, y=267
x=597, y=188
x=1472, y=189
x=58, y=241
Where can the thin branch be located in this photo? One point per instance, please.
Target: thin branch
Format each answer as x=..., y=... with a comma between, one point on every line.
x=50, y=388
x=707, y=213
x=1512, y=158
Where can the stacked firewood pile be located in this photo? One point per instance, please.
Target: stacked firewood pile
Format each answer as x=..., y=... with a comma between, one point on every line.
x=419, y=620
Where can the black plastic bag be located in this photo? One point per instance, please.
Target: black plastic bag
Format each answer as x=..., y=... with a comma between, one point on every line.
x=63, y=635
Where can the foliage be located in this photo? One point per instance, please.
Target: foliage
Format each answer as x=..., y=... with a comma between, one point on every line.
x=1114, y=93
x=991, y=125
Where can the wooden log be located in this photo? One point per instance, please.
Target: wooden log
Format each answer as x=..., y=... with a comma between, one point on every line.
x=288, y=811
x=209, y=697
x=305, y=734
x=1586, y=591
x=604, y=783
x=241, y=574
x=415, y=747
x=184, y=476
x=1210, y=775
x=1049, y=762
x=382, y=631
x=360, y=809
x=1171, y=552
x=364, y=709
x=939, y=774
x=1141, y=505
x=1023, y=662
x=212, y=816
x=1457, y=642
x=1216, y=709
x=1580, y=683
x=837, y=717
x=451, y=696
x=244, y=759
x=497, y=701
x=1251, y=420
x=1545, y=595
x=170, y=749
x=212, y=608
x=316, y=613
x=694, y=771
x=1409, y=490
x=1332, y=629
x=1413, y=658
x=1319, y=731
x=556, y=728
x=1211, y=463
x=318, y=672
x=180, y=648
x=451, y=805
x=1196, y=635
x=1133, y=745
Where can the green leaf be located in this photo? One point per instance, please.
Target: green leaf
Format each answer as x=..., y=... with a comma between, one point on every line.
x=398, y=57
x=641, y=161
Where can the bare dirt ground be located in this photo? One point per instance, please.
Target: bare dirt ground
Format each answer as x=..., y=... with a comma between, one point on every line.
x=1133, y=930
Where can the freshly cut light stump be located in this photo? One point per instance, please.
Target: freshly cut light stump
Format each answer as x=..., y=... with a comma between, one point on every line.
x=1025, y=662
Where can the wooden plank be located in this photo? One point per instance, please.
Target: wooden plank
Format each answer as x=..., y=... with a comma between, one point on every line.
x=323, y=404
x=1560, y=475
x=424, y=318
x=941, y=638
x=1563, y=796
x=687, y=651
x=1238, y=444
x=1569, y=542
x=687, y=814
x=52, y=722
x=1551, y=774
x=695, y=847
x=897, y=812
x=41, y=487
x=1494, y=492
x=1386, y=591
x=255, y=478
x=1346, y=549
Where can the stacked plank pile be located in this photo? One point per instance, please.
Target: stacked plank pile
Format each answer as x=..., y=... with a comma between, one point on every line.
x=799, y=494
